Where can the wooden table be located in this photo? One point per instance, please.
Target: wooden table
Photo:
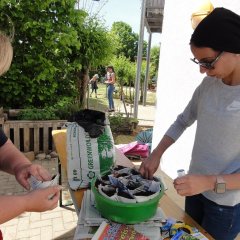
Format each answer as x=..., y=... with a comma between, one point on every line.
x=171, y=209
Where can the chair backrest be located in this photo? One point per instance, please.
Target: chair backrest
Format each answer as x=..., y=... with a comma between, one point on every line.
x=60, y=141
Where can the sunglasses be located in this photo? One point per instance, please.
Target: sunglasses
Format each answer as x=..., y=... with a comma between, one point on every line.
x=209, y=64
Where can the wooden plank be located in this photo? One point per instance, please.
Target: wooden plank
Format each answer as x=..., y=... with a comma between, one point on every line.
x=45, y=137
x=36, y=139
x=16, y=135
x=55, y=126
x=6, y=129
x=26, y=138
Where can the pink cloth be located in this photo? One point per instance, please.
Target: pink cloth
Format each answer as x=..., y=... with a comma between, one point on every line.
x=134, y=148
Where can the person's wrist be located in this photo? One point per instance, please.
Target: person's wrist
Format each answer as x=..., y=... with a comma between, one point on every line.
x=211, y=180
x=19, y=167
x=157, y=154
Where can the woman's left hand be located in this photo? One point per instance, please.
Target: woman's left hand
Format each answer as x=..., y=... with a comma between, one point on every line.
x=23, y=172
x=189, y=185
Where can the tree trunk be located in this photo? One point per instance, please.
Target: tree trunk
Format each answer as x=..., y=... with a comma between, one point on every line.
x=82, y=83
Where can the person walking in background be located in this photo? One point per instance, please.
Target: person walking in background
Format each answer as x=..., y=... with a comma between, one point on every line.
x=212, y=185
x=14, y=162
x=111, y=79
x=93, y=83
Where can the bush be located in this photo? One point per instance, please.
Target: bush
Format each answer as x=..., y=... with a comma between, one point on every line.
x=37, y=114
x=119, y=123
x=61, y=110
x=65, y=108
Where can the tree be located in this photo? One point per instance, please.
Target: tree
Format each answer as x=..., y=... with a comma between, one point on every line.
x=155, y=52
x=126, y=40
x=54, y=45
x=126, y=73
x=143, y=74
x=96, y=49
x=43, y=39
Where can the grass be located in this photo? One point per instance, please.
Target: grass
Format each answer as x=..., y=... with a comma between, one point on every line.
x=101, y=102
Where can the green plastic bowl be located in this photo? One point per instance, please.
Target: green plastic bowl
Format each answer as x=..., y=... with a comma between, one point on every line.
x=128, y=213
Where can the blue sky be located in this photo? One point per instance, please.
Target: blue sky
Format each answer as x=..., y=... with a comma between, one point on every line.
x=128, y=11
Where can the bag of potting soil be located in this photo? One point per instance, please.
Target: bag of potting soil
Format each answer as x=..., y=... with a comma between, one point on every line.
x=90, y=147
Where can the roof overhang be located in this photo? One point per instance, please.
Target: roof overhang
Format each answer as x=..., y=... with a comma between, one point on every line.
x=154, y=15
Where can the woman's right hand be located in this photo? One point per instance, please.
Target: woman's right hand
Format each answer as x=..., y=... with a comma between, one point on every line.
x=44, y=199
x=149, y=165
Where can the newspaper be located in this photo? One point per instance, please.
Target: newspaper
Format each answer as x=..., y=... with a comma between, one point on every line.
x=36, y=184
x=90, y=219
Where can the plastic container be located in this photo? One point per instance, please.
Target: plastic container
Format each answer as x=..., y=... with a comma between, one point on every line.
x=128, y=213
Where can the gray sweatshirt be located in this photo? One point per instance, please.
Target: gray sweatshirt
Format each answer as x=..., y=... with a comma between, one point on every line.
x=216, y=150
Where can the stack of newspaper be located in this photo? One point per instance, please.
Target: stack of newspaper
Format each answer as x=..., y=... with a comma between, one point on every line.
x=89, y=220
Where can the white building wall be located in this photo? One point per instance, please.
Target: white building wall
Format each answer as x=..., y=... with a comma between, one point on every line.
x=178, y=78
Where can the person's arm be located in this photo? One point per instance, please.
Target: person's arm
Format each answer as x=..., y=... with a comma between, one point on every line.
x=183, y=121
x=14, y=162
x=35, y=201
x=189, y=185
x=150, y=165
x=11, y=158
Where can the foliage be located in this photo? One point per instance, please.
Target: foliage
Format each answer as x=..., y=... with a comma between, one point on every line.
x=96, y=49
x=44, y=38
x=61, y=110
x=121, y=65
x=96, y=45
x=37, y=114
x=52, y=43
x=65, y=107
x=126, y=40
x=155, y=52
x=119, y=123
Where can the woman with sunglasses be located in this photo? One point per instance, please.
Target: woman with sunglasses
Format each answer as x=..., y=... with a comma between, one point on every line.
x=212, y=185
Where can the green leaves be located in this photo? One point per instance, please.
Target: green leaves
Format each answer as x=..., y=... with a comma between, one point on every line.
x=126, y=40
x=52, y=42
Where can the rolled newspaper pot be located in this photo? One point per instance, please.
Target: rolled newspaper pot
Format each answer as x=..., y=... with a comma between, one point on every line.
x=181, y=172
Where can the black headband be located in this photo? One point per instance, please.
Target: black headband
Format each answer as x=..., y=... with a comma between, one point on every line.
x=220, y=30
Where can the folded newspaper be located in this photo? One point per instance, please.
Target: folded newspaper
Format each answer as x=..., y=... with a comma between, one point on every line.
x=90, y=219
x=125, y=184
x=36, y=184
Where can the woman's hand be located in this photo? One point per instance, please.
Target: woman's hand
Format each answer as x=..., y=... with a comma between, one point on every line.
x=35, y=201
x=149, y=166
x=41, y=200
x=189, y=185
x=24, y=171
